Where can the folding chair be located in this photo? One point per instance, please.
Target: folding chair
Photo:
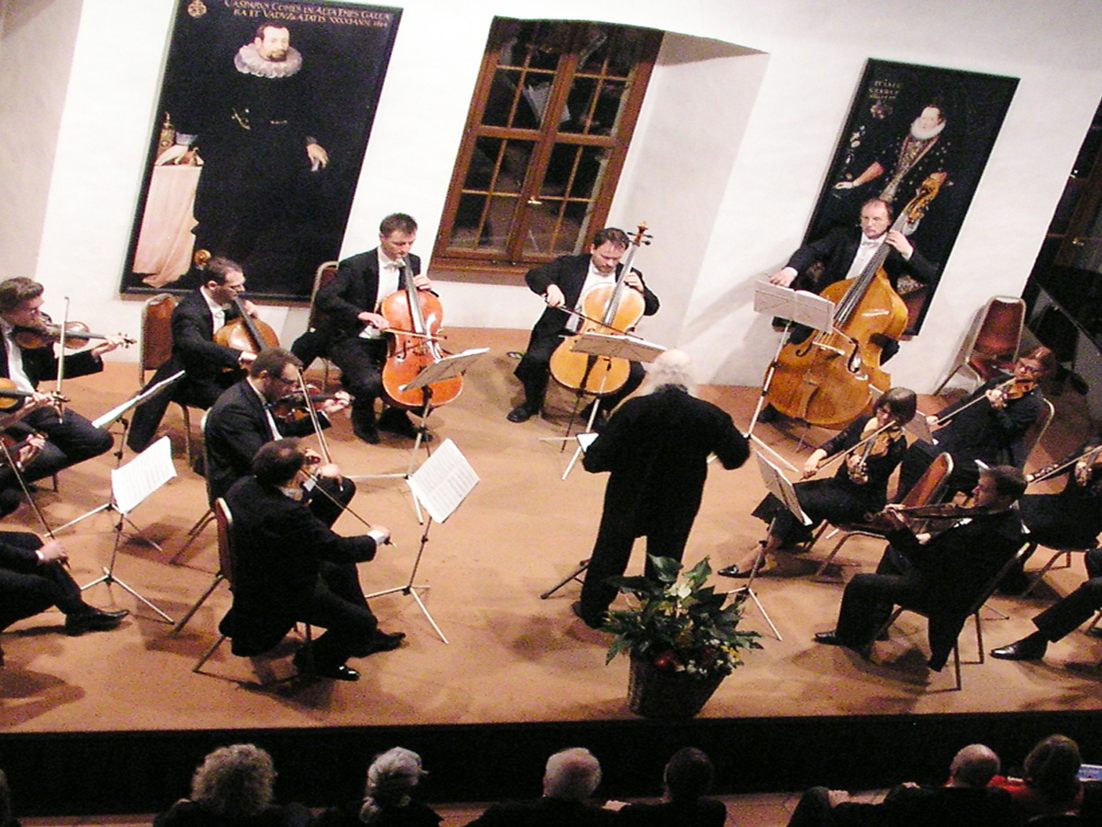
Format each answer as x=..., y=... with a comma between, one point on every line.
x=155, y=348
x=993, y=343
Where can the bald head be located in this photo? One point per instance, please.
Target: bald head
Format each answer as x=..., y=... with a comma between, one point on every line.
x=572, y=774
x=973, y=766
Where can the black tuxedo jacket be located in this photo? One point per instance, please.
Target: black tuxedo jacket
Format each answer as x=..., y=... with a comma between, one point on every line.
x=568, y=274
x=836, y=251
x=193, y=346
x=354, y=290
x=932, y=807
x=237, y=425
x=278, y=547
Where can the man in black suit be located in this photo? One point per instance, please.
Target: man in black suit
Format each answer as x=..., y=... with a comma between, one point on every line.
x=241, y=420
x=656, y=445
x=354, y=330
x=70, y=438
x=563, y=284
x=964, y=800
x=283, y=560
x=33, y=578
x=940, y=574
x=569, y=781
x=208, y=367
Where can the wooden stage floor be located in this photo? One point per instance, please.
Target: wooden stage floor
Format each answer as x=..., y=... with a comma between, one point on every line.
x=512, y=657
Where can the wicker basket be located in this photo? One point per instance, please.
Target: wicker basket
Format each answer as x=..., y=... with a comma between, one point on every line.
x=657, y=693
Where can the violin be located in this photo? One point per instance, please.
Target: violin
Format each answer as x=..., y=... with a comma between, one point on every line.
x=12, y=398
x=295, y=407
x=75, y=335
x=608, y=310
x=825, y=379
x=1089, y=460
x=878, y=440
x=415, y=317
x=245, y=333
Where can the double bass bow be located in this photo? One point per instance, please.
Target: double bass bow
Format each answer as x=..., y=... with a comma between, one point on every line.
x=825, y=379
x=606, y=309
x=415, y=317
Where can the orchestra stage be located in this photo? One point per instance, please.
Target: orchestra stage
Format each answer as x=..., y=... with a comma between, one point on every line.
x=122, y=717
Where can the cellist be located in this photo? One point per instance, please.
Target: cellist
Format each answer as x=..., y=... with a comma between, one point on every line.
x=207, y=365
x=563, y=284
x=843, y=253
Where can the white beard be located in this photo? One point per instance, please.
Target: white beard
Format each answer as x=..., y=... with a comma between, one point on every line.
x=248, y=61
x=920, y=134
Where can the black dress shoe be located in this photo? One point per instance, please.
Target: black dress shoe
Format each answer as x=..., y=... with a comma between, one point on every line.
x=732, y=570
x=521, y=413
x=380, y=642
x=1025, y=649
x=768, y=414
x=337, y=672
x=1095, y=632
x=93, y=620
x=576, y=608
x=368, y=433
x=396, y=421
x=829, y=638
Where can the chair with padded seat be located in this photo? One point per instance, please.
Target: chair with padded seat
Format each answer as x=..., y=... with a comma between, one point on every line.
x=155, y=349
x=992, y=346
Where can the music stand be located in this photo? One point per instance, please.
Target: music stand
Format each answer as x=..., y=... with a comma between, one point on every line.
x=631, y=348
x=441, y=483
x=796, y=307
x=438, y=371
x=131, y=485
x=111, y=416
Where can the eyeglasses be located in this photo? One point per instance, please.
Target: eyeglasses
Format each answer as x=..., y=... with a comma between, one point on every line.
x=285, y=381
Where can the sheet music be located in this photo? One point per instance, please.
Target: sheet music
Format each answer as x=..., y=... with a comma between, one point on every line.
x=778, y=485
x=443, y=481
x=119, y=410
x=148, y=471
x=621, y=347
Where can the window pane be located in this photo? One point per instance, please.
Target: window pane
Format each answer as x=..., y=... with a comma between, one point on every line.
x=594, y=106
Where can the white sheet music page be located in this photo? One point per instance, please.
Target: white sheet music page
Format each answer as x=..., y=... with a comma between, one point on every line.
x=134, y=482
x=443, y=481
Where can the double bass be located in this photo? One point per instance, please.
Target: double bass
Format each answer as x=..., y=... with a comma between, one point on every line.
x=609, y=310
x=415, y=317
x=825, y=379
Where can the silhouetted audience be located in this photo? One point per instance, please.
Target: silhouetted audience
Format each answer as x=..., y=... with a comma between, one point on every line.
x=687, y=778
x=1050, y=782
x=569, y=781
x=7, y=819
x=965, y=800
x=387, y=800
x=233, y=787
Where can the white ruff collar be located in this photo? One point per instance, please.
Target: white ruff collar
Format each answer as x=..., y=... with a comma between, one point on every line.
x=249, y=61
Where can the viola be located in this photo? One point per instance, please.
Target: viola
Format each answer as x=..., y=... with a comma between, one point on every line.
x=295, y=407
x=610, y=310
x=75, y=334
x=245, y=333
x=415, y=317
x=825, y=380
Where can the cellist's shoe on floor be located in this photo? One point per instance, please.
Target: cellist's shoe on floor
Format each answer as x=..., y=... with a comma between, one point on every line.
x=521, y=413
x=397, y=421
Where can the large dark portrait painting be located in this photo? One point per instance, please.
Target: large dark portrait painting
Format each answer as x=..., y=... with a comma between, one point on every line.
x=263, y=122
x=910, y=127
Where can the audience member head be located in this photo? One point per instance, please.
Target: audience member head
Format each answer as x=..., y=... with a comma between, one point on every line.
x=973, y=766
x=277, y=462
x=688, y=774
x=390, y=780
x=235, y=781
x=672, y=367
x=572, y=774
x=899, y=403
x=1052, y=768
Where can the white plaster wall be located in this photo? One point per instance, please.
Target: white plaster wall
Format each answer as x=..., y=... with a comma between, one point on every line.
x=784, y=113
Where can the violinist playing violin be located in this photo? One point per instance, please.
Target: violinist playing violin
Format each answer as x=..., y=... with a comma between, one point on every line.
x=69, y=437
x=208, y=366
x=988, y=425
x=941, y=573
x=354, y=329
x=868, y=452
x=563, y=284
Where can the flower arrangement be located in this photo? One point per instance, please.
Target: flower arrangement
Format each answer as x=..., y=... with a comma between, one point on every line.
x=679, y=625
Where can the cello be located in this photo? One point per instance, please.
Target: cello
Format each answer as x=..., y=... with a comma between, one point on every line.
x=245, y=333
x=825, y=379
x=609, y=310
x=415, y=317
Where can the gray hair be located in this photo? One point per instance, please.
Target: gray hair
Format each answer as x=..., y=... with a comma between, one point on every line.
x=235, y=781
x=671, y=368
x=572, y=774
x=390, y=778
x=974, y=765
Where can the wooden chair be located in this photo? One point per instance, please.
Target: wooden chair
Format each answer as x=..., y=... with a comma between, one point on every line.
x=155, y=348
x=926, y=491
x=981, y=598
x=224, y=521
x=993, y=344
x=326, y=272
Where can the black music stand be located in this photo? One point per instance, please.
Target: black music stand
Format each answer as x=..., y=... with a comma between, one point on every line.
x=445, y=368
x=441, y=483
x=131, y=485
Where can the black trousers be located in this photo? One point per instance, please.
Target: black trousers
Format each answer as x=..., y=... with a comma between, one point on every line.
x=361, y=362
x=70, y=439
x=25, y=594
x=1067, y=614
x=534, y=374
x=338, y=605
